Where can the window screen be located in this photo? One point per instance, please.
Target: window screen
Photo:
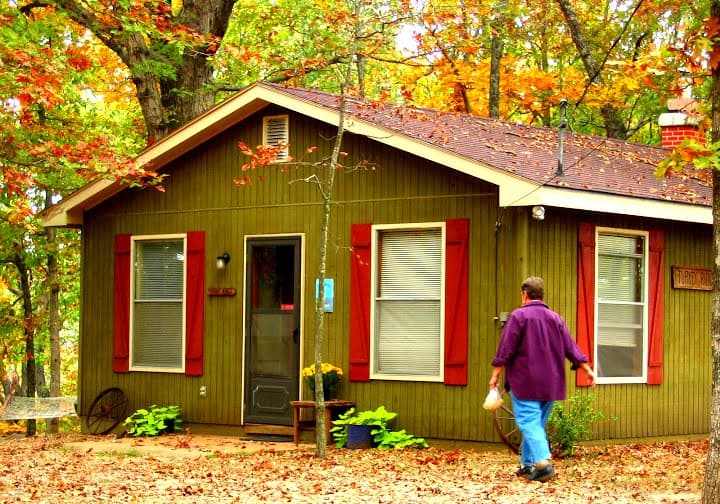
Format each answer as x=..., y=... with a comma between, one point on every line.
x=409, y=283
x=158, y=290
x=621, y=305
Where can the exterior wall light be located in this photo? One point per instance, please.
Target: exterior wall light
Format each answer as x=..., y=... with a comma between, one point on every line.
x=538, y=212
x=222, y=260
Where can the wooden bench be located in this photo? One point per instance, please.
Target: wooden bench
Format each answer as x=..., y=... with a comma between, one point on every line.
x=333, y=408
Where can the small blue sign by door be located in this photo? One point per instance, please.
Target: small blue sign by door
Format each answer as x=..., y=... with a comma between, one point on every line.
x=329, y=293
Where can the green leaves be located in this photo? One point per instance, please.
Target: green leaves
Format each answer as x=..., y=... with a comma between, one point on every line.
x=154, y=421
x=568, y=424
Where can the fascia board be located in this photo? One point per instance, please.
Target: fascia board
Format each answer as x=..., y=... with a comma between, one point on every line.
x=615, y=204
x=69, y=211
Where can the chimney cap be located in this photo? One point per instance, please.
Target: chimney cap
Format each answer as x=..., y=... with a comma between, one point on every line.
x=678, y=119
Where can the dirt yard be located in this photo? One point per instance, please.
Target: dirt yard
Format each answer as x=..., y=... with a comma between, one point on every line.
x=212, y=469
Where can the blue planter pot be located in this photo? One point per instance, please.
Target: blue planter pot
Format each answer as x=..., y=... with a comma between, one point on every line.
x=359, y=436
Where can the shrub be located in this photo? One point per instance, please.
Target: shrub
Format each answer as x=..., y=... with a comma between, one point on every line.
x=154, y=421
x=570, y=424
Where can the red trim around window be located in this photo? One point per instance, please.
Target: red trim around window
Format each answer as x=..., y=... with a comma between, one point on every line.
x=121, y=303
x=457, y=233
x=586, y=297
x=195, y=304
x=360, y=256
x=656, y=289
x=456, y=301
x=586, y=301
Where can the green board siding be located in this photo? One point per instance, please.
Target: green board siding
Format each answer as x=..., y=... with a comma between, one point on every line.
x=505, y=247
x=679, y=405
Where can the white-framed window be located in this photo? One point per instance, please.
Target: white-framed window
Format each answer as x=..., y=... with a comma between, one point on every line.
x=157, y=304
x=276, y=131
x=407, y=309
x=621, y=306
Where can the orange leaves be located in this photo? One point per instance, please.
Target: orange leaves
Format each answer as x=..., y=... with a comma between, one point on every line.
x=712, y=32
x=77, y=58
x=245, y=149
x=101, y=469
x=261, y=156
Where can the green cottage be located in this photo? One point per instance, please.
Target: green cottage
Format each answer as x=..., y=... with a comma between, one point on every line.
x=203, y=296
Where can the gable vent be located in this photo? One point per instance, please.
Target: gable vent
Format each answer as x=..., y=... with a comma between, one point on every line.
x=275, y=130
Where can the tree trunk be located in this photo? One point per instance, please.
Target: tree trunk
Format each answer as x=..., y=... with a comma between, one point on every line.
x=496, y=53
x=29, y=327
x=711, y=487
x=614, y=125
x=168, y=101
x=54, y=324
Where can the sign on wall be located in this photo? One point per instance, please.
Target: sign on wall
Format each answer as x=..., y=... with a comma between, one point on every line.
x=687, y=277
x=329, y=293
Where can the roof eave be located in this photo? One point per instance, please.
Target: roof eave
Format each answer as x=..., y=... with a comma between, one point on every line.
x=69, y=212
x=514, y=190
x=614, y=204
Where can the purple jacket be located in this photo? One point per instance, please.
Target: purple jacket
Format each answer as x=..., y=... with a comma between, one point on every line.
x=534, y=345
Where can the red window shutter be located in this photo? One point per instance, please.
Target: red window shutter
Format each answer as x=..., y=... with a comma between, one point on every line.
x=121, y=325
x=360, y=256
x=656, y=289
x=457, y=233
x=195, y=303
x=586, y=297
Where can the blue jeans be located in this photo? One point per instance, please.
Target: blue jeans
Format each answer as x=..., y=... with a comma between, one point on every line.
x=531, y=417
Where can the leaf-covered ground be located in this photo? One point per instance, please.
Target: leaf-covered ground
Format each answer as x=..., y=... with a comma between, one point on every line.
x=76, y=468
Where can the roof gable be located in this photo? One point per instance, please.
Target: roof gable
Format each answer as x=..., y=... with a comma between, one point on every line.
x=599, y=174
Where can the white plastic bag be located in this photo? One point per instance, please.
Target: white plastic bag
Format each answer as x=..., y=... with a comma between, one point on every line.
x=493, y=400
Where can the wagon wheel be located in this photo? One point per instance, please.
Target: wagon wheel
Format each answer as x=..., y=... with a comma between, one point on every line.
x=107, y=411
x=505, y=425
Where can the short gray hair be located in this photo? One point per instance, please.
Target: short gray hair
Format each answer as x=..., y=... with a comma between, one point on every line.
x=534, y=287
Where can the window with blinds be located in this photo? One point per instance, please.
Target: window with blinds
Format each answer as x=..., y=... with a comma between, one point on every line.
x=158, y=288
x=408, y=306
x=276, y=131
x=621, y=305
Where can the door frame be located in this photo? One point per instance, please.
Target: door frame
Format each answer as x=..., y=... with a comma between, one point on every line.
x=301, y=315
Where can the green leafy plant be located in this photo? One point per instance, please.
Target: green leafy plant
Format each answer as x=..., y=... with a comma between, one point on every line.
x=386, y=439
x=154, y=421
x=379, y=419
x=570, y=424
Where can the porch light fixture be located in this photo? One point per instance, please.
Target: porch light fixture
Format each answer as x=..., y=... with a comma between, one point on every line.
x=222, y=260
x=538, y=212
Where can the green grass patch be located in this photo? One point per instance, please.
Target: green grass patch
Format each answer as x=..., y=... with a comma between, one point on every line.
x=114, y=453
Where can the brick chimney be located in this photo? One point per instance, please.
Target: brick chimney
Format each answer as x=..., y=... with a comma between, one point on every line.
x=680, y=122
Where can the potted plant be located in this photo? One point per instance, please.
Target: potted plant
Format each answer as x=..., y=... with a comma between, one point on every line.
x=331, y=376
x=371, y=428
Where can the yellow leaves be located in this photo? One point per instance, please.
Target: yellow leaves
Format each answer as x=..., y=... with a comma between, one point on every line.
x=4, y=291
x=176, y=6
x=325, y=368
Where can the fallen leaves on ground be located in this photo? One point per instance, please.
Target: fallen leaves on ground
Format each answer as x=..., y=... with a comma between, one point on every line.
x=54, y=469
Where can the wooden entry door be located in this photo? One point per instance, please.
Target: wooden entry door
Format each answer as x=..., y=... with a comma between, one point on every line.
x=272, y=320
